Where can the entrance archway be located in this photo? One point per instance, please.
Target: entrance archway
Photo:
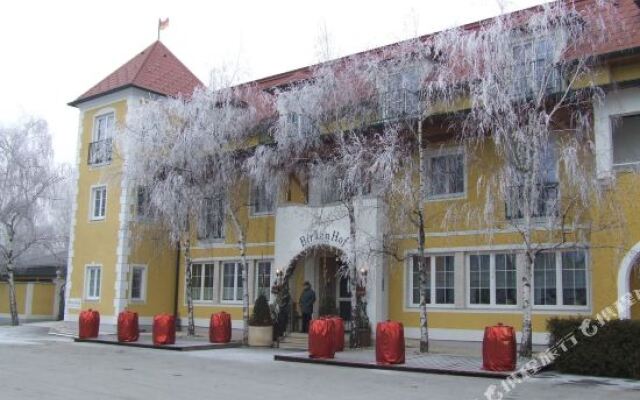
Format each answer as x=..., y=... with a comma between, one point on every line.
x=323, y=266
x=628, y=280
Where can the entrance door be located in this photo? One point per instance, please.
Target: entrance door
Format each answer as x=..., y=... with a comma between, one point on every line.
x=343, y=298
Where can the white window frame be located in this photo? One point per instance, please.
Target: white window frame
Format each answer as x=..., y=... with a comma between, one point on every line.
x=626, y=166
x=103, y=114
x=452, y=151
x=237, y=282
x=529, y=62
x=87, y=282
x=143, y=283
x=560, y=285
x=492, y=280
x=432, y=284
x=254, y=199
x=257, y=278
x=202, y=265
x=92, y=204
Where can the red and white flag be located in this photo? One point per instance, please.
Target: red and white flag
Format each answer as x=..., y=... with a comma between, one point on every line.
x=163, y=24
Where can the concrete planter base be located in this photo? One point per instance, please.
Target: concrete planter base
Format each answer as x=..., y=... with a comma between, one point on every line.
x=260, y=336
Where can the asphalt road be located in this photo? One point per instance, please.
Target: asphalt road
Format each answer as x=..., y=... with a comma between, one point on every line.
x=34, y=365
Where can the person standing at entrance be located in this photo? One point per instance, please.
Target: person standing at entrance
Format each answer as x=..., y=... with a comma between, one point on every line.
x=307, y=300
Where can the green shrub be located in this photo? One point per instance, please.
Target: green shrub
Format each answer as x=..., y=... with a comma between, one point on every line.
x=328, y=306
x=261, y=315
x=613, y=351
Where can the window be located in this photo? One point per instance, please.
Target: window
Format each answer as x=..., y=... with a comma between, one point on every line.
x=103, y=127
x=415, y=278
x=492, y=279
x=212, y=224
x=262, y=199
x=263, y=278
x=534, y=71
x=92, y=282
x=101, y=148
x=202, y=281
x=296, y=124
x=138, y=282
x=399, y=92
x=574, y=276
x=98, y=202
x=480, y=279
x=560, y=279
x=330, y=190
x=506, y=291
x=541, y=198
x=142, y=202
x=444, y=280
x=442, y=267
x=626, y=141
x=544, y=279
x=232, y=282
x=446, y=175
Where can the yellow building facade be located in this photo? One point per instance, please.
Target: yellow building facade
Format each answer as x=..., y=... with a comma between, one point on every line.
x=118, y=261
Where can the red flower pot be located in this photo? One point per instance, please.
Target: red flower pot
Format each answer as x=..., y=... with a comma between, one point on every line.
x=128, y=326
x=164, y=329
x=389, y=343
x=88, y=324
x=499, y=348
x=220, y=328
x=321, y=338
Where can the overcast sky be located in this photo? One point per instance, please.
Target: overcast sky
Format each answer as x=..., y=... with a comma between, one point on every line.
x=53, y=51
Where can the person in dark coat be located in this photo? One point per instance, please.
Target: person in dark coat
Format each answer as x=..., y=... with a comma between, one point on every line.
x=307, y=300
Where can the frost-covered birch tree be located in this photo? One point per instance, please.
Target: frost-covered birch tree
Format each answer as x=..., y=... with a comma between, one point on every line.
x=28, y=183
x=188, y=156
x=529, y=78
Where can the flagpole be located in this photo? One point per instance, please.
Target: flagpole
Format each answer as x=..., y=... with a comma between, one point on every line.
x=158, y=29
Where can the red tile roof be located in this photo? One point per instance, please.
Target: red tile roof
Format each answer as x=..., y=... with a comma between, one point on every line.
x=155, y=69
x=621, y=34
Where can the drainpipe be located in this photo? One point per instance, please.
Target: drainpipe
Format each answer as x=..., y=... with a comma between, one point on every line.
x=176, y=289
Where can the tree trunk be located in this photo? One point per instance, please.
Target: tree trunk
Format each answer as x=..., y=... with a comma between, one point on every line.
x=191, y=329
x=423, y=268
x=242, y=246
x=354, y=339
x=526, y=343
x=424, y=286
x=13, y=305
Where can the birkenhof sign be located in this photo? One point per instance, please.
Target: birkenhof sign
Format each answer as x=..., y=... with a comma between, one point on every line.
x=332, y=238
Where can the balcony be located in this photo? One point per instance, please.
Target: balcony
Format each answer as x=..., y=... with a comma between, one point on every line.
x=100, y=152
x=546, y=204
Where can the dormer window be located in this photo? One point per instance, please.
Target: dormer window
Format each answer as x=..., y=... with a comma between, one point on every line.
x=101, y=147
x=534, y=69
x=399, y=94
x=296, y=124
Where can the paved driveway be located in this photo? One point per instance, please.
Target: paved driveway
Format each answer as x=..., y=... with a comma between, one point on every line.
x=34, y=365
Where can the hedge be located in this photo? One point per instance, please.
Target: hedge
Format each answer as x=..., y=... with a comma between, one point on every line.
x=613, y=350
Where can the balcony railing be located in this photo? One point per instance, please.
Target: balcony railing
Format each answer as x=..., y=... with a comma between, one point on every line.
x=100, y=152
x=545, y=204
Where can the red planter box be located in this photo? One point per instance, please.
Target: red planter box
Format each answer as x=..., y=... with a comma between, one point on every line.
x=499, y=348
x=164, y=329
x=389, y=343
x=220, y=328
x=338, y=327
x=321, y=338
x=128, y=327
x=88, y=324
